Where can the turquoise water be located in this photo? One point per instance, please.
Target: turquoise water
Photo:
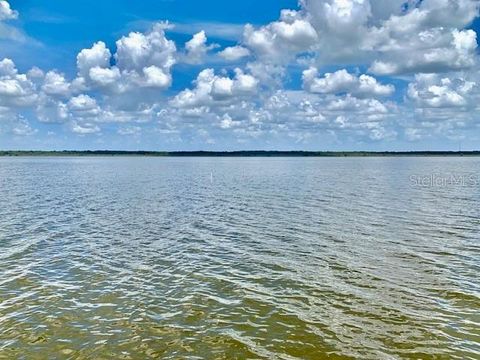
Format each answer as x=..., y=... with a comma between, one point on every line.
x=242, y=258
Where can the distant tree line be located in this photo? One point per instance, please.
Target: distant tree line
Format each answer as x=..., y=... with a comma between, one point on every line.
x=255, y=153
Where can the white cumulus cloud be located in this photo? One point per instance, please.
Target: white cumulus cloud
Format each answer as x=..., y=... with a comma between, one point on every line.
x=234, y=53
x=342, y=81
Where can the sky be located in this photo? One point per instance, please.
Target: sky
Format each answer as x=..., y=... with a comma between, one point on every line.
x=240, y=75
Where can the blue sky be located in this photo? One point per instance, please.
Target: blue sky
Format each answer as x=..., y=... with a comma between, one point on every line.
x=188, y=75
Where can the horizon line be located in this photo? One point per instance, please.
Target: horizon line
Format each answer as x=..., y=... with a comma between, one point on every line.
x=237, y=153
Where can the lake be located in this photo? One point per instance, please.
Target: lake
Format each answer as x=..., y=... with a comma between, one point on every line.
x=239, y=258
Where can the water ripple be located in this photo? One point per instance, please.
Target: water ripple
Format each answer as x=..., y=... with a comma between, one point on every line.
x=272, y=259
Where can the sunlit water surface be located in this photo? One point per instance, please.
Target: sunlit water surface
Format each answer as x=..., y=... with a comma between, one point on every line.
x=242, y=258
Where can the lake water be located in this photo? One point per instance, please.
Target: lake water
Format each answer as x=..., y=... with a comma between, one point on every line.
x=239, y=258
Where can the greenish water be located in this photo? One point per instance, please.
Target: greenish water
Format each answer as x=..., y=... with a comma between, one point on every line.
x=244, y=258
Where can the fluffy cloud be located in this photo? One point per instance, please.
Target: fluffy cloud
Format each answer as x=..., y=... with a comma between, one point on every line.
x=253, y=93
x=83, y=104
x=137, y=51
x=98, y=56
x=305, y=114
x=372, y=32
x=156, y=77
x=7, y=68
x=210, y=88
x=130, y=130
x=234, y=53
x=122, y=87
x=442, y=106
x=340, y=19
x=84, y=129
x=435, y=91
x=11, y=32
x=435, y=51
x=16, y=90
x=104, y=76
x=197, y=48
x=23, y=128
x=343, y=82
x=14, y=124
x=50, y=110
x=227, y=122
x=6, y=12
x=55, y=84
x=446, y=13
x=141, y=61
x=279, y=40
x=433, y=40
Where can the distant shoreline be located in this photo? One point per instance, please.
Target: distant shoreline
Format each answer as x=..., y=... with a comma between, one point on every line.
x=72, y=153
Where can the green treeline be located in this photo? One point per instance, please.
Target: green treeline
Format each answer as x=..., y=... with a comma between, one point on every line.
x=239, y=153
